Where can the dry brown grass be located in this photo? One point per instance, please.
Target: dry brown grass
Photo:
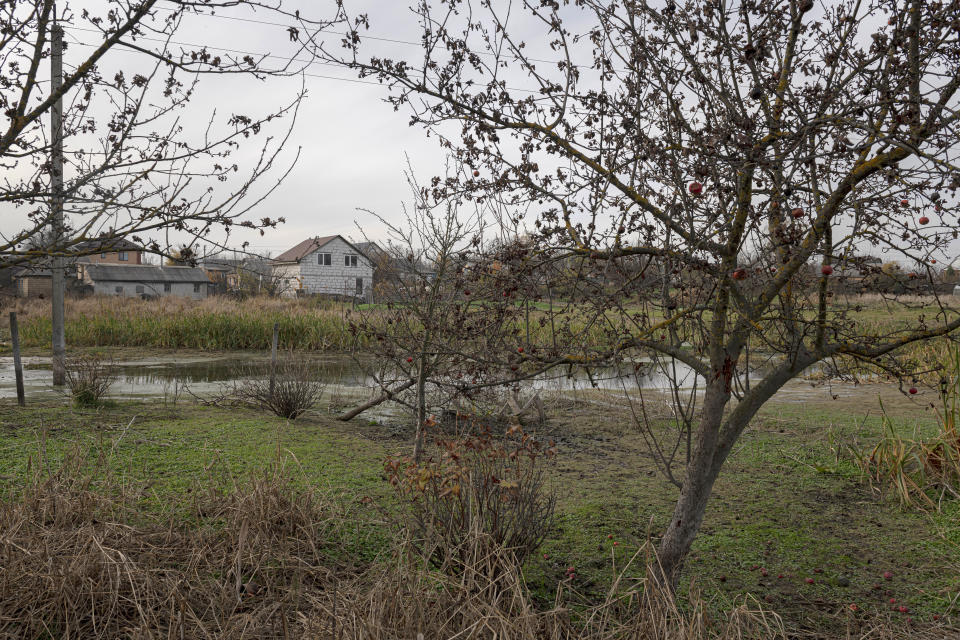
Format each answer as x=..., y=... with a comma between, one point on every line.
x=172, y=305
x=83, y=558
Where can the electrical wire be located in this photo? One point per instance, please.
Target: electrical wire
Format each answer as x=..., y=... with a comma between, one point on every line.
x=260, y=55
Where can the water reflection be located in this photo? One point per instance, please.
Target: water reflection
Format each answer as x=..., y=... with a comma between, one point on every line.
x=161, y=376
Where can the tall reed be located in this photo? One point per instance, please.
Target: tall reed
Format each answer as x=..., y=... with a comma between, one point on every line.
x=921, y=472
x=214, y=324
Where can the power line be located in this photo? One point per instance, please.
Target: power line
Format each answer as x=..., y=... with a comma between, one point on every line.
x=344, y=34
x=263, y=55
x=78, y=42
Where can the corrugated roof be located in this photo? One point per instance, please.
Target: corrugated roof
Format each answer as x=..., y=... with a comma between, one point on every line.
x=145, y=273
x=303, y=249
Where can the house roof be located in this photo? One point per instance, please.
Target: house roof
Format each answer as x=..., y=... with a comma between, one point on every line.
x=31, y=271
x=144, y=273
x=308, y=246
x=370, y=249
x=106, y=244
x=303, y=249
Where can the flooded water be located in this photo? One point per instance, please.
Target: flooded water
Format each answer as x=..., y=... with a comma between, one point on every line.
x=203, y=375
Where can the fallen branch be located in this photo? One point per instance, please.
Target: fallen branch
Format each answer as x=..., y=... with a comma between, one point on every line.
x=383, y=397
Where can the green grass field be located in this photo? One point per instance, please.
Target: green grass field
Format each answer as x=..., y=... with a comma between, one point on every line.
x=784, y=502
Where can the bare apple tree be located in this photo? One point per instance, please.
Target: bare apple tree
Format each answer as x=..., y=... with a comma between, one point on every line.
x=137, y=163
x=741, y=152
x=449, y=315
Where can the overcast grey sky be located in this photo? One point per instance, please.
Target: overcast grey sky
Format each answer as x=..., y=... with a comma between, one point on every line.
x=353, y=145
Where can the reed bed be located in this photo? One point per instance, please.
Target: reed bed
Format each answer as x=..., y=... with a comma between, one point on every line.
x=223, y=324
x=219, y=324
x=177, y=323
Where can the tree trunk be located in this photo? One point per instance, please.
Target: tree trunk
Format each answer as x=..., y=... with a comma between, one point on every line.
x=421, y=409
x=702, y=471
x=715, y=439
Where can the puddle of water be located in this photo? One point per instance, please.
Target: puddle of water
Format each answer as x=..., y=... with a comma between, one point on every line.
x=161, y=377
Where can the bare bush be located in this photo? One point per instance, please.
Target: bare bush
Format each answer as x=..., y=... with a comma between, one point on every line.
x=473, y=489
x=90, y=378
x=293, y=389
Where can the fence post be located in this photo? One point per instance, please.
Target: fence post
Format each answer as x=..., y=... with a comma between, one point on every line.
x=273, y=357
x=17, y=364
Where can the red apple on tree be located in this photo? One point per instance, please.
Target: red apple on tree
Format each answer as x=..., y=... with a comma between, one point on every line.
x=740, y=274
x=797, y=213
x=913, y=391
x=476, y=174
x=826, y=270
x=409, y=359
x=696, y=188
x=923, y=220
x=904, y=202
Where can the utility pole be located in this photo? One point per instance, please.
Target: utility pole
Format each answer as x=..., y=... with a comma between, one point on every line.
x=56, y=204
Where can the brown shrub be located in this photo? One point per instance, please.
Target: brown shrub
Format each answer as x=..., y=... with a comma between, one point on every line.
x=477, y=489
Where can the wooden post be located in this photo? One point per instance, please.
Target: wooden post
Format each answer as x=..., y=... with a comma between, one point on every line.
x=17, y=365
x=56, y=204
x=273, y=357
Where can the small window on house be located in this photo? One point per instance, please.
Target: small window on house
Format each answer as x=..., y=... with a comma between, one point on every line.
x=139, y=288
x=324, y=259
x=196, y=287
x=118, y=289
x=103, y=255
x=166, y=287
x=349, y=260
x=123, y=256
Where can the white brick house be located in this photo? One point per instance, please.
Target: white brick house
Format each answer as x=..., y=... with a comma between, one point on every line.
x=329, y=265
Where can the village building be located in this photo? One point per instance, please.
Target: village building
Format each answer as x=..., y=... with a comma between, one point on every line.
x=36, y=280
x=328, y=265
x=144, y=281
x=32, y=282
x=116, y=251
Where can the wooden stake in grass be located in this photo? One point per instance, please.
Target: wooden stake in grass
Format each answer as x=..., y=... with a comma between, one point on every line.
x=273, y=357
x=17, y=364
